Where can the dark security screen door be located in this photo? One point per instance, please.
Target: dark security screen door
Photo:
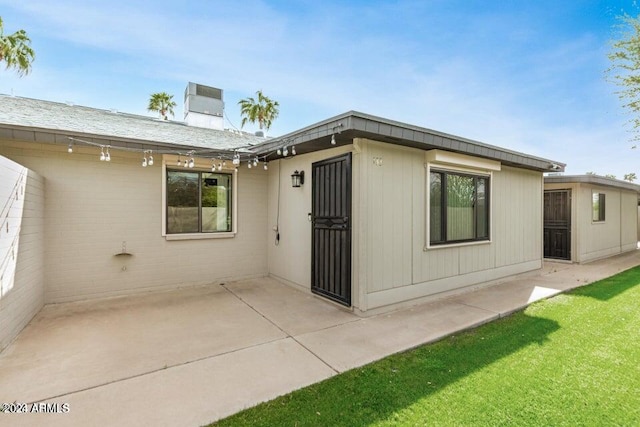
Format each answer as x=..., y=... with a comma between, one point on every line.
x=331, y=239
x=557, y=224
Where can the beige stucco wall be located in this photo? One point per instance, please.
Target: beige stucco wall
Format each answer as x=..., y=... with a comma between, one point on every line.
x=390, y=263
x=290, y=259
x=92, y=207
x=21, y=248
x=595, y=240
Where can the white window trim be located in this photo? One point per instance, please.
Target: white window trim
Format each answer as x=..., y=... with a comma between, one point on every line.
x=466, y=170
x=200, y=167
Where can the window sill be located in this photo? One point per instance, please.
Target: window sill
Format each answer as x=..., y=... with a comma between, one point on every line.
x=456, y=245
x=200, y=236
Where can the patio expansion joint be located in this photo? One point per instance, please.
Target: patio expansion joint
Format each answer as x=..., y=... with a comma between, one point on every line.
x=495, y=314
x=288, y=335
x=153, y=371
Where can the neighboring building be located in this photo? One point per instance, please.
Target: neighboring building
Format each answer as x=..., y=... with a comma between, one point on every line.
x=388, y=215
x=588, y=217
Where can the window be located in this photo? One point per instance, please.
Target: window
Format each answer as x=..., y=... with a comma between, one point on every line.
x=458, y=207
x=198, y=202
x=598, y=207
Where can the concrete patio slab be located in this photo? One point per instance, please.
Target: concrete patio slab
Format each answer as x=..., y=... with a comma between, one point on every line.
x=294, y=312
x=505, y=298
x=192, y=394
x=355, y=344
x=79, y=345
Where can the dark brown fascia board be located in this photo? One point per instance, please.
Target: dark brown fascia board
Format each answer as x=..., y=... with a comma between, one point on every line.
x=592, y=179
x=52, y=136
x=356, y=124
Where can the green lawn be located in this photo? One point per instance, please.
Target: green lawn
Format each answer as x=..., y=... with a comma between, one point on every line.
x=567, y=361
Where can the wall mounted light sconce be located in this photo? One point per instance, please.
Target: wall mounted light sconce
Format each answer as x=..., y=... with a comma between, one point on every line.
x=297, y=179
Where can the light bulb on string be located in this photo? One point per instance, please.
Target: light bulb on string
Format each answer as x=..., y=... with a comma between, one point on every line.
x=279, y=152
x=192, y=162
x=70, y=149
x=265, y=165
x=186, y=163
x=102, y=157
x=285, y=152
x=249, y=164
x=333, y=140
x=144, y=161
x=219, y=167
x=224, y=163
x=107, y=156
x=293, y=150
x=179, y=161
x=150, y=159
x=255, y=162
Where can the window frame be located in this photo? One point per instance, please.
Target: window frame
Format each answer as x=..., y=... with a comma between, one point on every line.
x=476, y=175
x=602, y=207
x=168, y=164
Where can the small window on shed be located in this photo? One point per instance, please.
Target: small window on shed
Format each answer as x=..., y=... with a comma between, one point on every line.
x=598, y=207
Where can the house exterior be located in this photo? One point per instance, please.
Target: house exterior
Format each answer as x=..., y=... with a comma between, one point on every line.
x=400, y=250
x=387, y=214
x=588, y=217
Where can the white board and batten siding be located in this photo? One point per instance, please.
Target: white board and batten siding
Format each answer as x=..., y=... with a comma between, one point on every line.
x=21, y=248
x=396, y=262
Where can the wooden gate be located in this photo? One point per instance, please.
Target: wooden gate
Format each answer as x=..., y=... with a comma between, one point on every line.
x=331, y=239
x=557, y=224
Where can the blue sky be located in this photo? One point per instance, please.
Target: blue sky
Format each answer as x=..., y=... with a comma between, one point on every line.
x=526, y=75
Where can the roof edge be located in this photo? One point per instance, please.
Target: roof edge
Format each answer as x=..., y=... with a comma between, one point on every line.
x=400, y=133
x=592, y=179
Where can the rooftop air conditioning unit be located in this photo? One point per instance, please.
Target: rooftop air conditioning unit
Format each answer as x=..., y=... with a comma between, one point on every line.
x=203, y=106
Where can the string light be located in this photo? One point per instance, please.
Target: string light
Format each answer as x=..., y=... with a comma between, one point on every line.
x=279, y=152
x=293, y=150
x=333, y=139
x=217, y=163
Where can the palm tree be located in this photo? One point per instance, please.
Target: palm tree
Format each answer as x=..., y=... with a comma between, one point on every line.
x=163, y=103
x=264, y=110
x=15, y=50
